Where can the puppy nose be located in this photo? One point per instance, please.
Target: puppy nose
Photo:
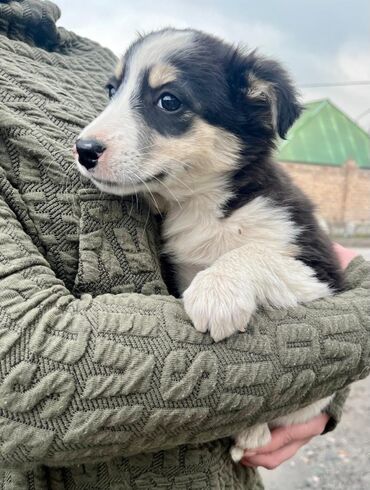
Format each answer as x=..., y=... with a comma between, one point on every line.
x=89, y=152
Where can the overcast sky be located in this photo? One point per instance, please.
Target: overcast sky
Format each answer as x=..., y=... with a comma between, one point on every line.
x=318, y=40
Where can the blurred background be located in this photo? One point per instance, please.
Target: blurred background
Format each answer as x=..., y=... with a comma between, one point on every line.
x=325, y=45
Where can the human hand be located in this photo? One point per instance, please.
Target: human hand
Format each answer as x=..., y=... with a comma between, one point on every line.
x=285, y=442
x=345, y=255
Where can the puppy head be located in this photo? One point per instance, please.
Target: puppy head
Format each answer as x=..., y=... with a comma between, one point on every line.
x=183, y=105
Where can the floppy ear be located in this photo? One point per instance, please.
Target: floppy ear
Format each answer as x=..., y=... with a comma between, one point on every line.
x=267, y=83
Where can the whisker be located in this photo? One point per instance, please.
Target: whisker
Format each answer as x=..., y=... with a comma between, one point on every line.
x=132, y=198
x=168, y=189
x=150, y=192
x=173, y=176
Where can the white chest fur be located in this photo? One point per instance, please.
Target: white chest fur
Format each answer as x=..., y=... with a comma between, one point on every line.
x=196, y=234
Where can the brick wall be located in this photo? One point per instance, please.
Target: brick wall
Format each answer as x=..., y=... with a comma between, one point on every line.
x=341, y=194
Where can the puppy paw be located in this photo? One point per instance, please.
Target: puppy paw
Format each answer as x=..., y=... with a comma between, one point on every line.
x=218, y=304
x=251, y=438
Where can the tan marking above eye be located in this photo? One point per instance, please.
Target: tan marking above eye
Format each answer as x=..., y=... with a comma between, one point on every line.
x=161, y=74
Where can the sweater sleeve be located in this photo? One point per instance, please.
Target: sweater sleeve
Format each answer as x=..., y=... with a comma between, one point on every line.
x=335, y=409
x=85, y=379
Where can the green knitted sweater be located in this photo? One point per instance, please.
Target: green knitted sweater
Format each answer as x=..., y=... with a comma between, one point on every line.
x=104, y=383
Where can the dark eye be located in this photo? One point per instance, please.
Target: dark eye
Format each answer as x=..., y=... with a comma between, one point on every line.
x=169, y=102
x=111, y=90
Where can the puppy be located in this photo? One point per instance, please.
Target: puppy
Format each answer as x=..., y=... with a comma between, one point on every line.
x=193, y=124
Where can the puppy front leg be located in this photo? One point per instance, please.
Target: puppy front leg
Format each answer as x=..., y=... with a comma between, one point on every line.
x=222, y=298
x=252, y=438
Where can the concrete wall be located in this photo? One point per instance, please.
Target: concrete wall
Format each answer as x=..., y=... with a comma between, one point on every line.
x=341, y=194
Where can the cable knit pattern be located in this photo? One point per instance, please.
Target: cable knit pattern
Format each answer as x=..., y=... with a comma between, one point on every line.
x=98, y=365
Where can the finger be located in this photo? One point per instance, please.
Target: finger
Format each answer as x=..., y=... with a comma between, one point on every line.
x=282, y=436
x=273, y=460
x=345, y=255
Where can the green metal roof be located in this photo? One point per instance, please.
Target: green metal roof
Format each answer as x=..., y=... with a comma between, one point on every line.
x=325, y=135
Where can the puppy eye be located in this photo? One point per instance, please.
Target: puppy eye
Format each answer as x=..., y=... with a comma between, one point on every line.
x=111, y=90
x=169, y=102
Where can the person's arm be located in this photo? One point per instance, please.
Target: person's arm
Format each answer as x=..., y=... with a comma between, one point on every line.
x=86, y=379
x=287, y=440
x=335, y=409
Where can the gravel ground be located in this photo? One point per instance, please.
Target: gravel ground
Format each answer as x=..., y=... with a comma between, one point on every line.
x=339, y=460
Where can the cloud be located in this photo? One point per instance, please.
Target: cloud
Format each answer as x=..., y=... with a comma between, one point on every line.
x=116, y=25
x=350, y=63
x=313, y=39
x=353, y=62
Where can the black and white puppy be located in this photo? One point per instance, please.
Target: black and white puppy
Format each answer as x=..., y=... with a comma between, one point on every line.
x=193, y=124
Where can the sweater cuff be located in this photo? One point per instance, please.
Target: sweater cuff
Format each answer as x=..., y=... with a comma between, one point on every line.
x=335, y=409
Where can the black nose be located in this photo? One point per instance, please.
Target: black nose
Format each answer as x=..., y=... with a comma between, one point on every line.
x=89, y=152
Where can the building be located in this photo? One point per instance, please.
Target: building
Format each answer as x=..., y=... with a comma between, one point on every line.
x=328, y=156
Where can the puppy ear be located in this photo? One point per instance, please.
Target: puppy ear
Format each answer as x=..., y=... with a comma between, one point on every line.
x=267, y=83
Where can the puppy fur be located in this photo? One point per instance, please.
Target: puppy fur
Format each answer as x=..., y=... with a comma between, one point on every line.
x=238, y=232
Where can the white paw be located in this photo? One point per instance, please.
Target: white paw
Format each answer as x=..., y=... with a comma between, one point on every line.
x=218, y=304
x=252, y=438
